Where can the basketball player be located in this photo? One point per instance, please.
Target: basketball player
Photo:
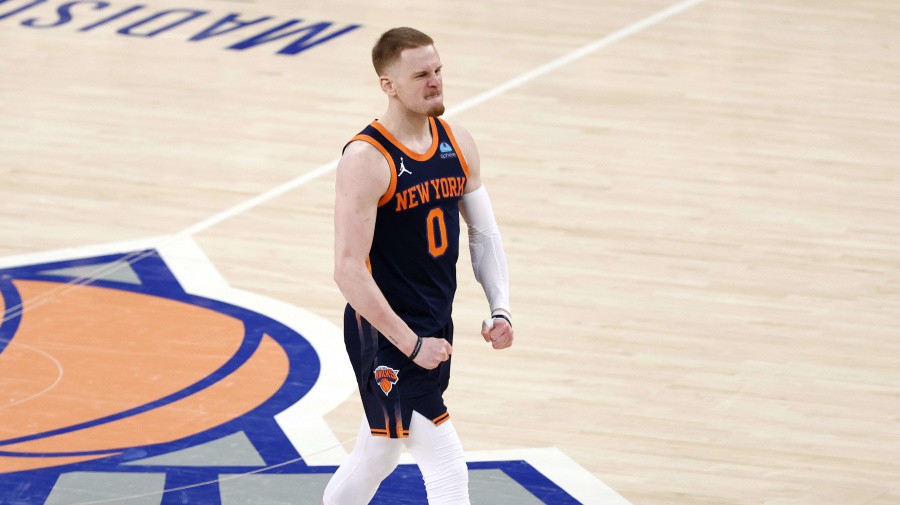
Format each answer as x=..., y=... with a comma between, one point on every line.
x=401, y=186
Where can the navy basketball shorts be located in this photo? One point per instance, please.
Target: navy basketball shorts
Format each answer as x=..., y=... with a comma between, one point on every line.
x=390, y=384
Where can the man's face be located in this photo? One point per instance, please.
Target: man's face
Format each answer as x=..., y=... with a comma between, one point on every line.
x=416, y=78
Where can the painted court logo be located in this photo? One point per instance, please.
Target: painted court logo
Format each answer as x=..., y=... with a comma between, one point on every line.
x=386, y=377
x=196, y=24
x=132, y=371
x=157, y=382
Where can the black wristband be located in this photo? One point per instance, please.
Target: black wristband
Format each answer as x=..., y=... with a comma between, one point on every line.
x=416, y=350
x=501, y=316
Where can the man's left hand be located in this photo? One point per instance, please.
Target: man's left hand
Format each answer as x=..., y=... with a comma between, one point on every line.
x=498, y=332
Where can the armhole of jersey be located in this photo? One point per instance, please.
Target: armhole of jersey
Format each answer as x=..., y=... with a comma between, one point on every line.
x=393, y=186
x=462, y=157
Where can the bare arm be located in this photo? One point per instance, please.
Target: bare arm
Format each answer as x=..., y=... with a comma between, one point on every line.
x=488, y=258
x=363, y=177
x=470, y=153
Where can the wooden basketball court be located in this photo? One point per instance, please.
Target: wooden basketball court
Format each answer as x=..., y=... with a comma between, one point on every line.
x=699, y=203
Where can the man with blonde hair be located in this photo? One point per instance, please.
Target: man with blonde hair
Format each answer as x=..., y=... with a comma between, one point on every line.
x=401, y=185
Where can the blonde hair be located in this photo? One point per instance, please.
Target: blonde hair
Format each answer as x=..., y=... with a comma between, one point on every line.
x=392, y=42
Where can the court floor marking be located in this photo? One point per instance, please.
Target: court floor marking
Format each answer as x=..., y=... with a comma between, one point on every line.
x=577, y=54
x=316, y=444
x=332, y=165
x=466, y=105
x=494, y=92
x=489, y=94
x=636, y=27
x=49, y=356
x=63, y=288
x=198, y=484
x=281, y=189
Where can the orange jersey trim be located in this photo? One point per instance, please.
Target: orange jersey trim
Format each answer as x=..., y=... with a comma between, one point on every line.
x=393, y=186
x=439, y=420
x=414, y=155
x=462, y=158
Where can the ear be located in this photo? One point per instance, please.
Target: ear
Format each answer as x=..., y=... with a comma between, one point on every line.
x=387, y=86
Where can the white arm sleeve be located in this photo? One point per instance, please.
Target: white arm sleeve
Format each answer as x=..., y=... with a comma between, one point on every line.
x=488, y=259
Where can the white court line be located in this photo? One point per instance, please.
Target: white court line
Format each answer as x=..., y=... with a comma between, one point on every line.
x=55, y=361
x=577, y=54
x=214, y=481
x=281, y=189
x=466, y=105
x=332, y=165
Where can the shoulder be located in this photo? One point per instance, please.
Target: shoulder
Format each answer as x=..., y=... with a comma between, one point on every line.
x=360, y=153
x=364, y=167
x=361, y=150
x=462, y=137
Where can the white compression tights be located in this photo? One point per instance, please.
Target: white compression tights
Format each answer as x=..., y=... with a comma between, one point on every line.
x=436, y=449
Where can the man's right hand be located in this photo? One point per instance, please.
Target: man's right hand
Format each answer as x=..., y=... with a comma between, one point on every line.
x=434, y=351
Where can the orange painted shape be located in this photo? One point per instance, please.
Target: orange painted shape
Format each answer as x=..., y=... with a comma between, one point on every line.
x=42, y=372
x=118, y=350
x=242, y=391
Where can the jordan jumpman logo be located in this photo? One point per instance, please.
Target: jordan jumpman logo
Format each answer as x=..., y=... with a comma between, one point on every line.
x=402, y=168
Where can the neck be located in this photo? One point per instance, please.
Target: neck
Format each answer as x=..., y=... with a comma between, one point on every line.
x=406, y=126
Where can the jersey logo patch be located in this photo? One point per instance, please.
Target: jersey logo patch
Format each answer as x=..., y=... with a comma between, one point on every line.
x=403, y=169
x=386, y=378
x=447, y=151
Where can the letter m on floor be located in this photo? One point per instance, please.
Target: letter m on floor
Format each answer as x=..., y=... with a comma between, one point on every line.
x=308, y=36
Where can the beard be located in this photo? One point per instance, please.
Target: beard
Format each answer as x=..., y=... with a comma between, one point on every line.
x=420, y=105
x=436, y=111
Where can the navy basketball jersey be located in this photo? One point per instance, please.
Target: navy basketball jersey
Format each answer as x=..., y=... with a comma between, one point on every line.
x=416, y=241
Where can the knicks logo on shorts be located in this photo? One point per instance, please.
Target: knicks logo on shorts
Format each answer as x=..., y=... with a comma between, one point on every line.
x=386, y=377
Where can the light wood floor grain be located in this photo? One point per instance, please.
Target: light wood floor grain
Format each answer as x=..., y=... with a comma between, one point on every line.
x=702, y=220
